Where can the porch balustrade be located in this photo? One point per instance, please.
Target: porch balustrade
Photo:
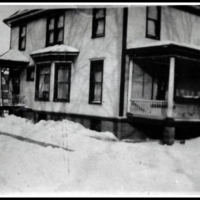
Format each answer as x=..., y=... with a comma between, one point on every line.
x=156, y=108
x=12, y=100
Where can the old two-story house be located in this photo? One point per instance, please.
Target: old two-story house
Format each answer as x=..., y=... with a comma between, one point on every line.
x=110, y=68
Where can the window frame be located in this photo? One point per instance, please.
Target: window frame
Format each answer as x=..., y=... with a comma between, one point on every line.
x=29, y=70
x=157, y=23
x=95, y=23
x=38, y=69
x=55, y=30
x=92, y=83
x=57, y=65
x=22, y=37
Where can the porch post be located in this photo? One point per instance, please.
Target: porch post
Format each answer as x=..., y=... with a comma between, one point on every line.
x=130, y=85
x=169, y=129
x=171, y=87
x=0, y=88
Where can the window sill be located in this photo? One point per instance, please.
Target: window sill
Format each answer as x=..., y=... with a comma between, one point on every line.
x=98, y=36
x=61, y=100
x=95, y=102
x=39, y=99
x=152, y=37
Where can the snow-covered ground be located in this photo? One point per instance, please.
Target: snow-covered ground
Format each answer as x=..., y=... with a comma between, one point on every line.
x=95, y=164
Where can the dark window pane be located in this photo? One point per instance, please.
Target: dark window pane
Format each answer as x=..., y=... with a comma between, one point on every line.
x=63, y=74
x=152, y=12
x=51, y=24
x=60, y=21
x=43, y=82
x=23, y=31
x=60, y=35
x=51, y=37
x=62, y=81
x=96, y=81
x=153, y=22
x=30, y=73
x=99, y=22
x=23, y=43
x=97, y=92
x=151, y=28
x=99, y=13
x=63, y=90
x=100, y=27
x=22, y=38
x=55, y=30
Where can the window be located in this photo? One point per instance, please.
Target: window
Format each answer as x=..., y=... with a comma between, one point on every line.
x=22, y=37
x=62, y=82
x=55, y=30
x=43, y=82
x=99, y=20
x=95, y=125
x=153, y=22
x=96, y=82
x=30, y=73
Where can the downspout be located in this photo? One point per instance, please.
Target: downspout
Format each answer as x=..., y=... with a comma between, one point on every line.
x=123, y=62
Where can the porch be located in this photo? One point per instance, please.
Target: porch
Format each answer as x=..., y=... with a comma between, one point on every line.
x=159, y=109
x=164, y=85
x=12, y=64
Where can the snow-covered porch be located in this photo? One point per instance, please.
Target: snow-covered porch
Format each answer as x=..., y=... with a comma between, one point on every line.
x=164, y=86
x=164, y=81
x=12, y=64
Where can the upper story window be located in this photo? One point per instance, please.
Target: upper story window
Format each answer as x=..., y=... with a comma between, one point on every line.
x=22, y=37
x=42, y=91
x=153, y=22
x=62, y=82
x=96, y=82
x=55, y=30
x=99, y=22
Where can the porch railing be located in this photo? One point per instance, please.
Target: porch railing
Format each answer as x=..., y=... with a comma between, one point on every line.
x=148, y=107
x=12, y=100
x=191, y=111
x=157, y=108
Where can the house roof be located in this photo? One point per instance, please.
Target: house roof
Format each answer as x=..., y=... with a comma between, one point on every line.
x=165, y=48
x=14, y=56
x=21, y=14
x=56, y=49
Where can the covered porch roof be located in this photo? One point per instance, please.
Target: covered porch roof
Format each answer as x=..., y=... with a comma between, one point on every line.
x=13, y=57
x=165, y=49
x=56, y=52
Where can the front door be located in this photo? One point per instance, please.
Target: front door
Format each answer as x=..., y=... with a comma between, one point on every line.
x=15, y=81
x=161, y=89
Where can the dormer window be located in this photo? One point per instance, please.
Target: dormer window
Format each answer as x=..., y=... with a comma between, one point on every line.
x=153, y=22
x=55, y=30
x=99, y=21
x=22, y=38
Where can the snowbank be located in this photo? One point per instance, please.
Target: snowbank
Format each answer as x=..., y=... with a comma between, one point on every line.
x=53, y=132
x=96, y=166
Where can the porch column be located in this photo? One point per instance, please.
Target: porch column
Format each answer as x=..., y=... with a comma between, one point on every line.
x=169, y=129
x=130, y=85
x=171, y=87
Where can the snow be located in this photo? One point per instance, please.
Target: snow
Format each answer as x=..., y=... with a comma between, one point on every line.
x=56, y=49
x=164, y=43
x=98, y=164
x=14, y=55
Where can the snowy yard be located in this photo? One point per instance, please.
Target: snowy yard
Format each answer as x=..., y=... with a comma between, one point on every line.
x=91, y=163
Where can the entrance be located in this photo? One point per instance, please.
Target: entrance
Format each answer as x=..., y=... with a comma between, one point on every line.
x=162, y=85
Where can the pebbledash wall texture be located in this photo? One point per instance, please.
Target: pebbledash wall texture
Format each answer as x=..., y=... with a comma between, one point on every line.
x=125, y=28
